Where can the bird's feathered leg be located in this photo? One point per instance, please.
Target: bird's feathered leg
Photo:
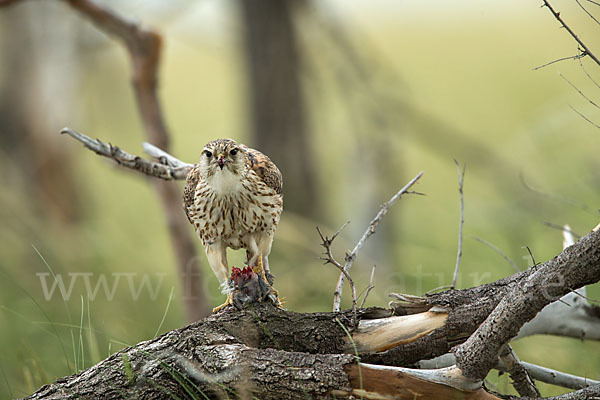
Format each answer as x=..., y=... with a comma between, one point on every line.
x=216, y=253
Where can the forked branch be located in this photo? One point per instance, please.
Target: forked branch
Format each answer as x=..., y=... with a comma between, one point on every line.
x=586, y=50
x=329, y=259
x=350, y=257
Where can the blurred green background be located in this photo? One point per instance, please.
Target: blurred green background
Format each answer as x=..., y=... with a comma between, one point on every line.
x=388, y=89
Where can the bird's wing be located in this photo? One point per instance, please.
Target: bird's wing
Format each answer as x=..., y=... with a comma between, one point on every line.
x=190, y=189
x=266, y=170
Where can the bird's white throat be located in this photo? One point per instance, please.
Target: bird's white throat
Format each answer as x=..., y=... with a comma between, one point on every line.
x=225, y=182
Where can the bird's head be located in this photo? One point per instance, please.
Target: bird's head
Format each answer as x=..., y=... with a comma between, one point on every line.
x=222, y=155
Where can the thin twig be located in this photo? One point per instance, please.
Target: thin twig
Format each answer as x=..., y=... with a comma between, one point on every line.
x=337, y=298
x=329, y=259
x=369, y=288
x=461, y=179
x=127, y=160
x=561, y=228
x=497, y=250
x=561, y=199
x=587, y=12
x=579, y=91
x=586, y=50
x=584, y=117
x=575, y=57
x=588, y=75
x=531, y=255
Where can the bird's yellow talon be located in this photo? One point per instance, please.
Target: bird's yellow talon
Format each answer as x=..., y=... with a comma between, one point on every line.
x=229, y=301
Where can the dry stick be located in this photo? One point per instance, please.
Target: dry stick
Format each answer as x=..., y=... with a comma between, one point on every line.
x=337, y=297
x=531, y=255
x=561, y=228
x=128, y=160
x=369, y=288
x=584, y=117
x=561, y=199
x=563, y=23
x=497, y=250
x=329, y=259
x=539, y=373
x=579, y=91
x=144, y=47
x=588, y=75
x=575, y=57
x=461, y=179
x=587, y=12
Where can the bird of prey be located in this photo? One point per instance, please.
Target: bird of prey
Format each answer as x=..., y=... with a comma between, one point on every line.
x=234, y=199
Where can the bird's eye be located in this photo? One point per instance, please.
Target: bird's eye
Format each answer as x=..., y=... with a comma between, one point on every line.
x=233, y=152
x=208, y=154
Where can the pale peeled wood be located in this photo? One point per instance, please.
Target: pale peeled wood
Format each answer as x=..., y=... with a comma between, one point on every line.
x=383, y=334
x=378, y=382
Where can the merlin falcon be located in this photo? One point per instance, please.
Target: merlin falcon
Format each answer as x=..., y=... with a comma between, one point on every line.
x=233, y=198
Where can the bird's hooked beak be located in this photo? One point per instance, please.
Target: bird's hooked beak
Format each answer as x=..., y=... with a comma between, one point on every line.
x=221, y=161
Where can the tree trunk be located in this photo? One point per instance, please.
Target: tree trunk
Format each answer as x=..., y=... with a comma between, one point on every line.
x=276, y=102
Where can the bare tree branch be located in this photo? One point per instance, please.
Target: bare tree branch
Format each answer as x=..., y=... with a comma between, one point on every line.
x=586, y=50
x=584, y=117
x=539, y=373
x=588, y=74
x=519, y=374
x=121, y=157
x=587, y=12
x=579, y=91
x=569, y=316
x=561, y=228
x=547, y=283
x=561, y=199
x=575, y=57
x=337, y=298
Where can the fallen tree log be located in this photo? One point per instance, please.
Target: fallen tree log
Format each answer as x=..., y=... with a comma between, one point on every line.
x=269, y=353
